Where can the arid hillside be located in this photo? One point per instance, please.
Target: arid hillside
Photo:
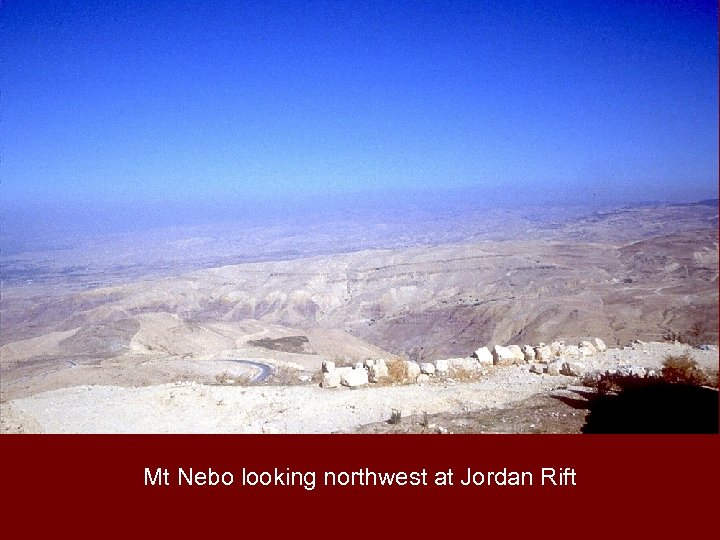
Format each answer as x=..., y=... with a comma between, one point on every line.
x=648, y=273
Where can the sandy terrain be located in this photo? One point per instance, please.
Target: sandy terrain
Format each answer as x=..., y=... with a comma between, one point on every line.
x=91, y=349
x=199, y=408
x=163, y=348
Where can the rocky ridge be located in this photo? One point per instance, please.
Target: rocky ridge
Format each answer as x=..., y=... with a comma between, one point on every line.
x=204, y=408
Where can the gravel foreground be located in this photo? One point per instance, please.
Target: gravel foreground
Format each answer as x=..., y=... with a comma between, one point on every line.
x=201, y=408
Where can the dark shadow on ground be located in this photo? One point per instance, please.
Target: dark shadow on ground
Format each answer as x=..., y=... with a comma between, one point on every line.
x=290, y=344
x=658, y=408
x=575, y=403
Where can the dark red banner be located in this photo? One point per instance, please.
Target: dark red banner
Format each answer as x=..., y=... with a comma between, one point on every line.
x=589, y=486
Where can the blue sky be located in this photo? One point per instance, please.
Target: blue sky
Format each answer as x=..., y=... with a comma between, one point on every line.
x=115, y=104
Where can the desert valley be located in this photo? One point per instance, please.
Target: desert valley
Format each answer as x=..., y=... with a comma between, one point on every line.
x=211, y=332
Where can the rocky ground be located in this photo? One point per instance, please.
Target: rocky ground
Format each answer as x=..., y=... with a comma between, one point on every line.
x=507, y=399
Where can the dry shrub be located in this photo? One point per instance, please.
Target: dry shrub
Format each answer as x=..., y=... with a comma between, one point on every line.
x=683, y=369
x=284, y=376
x=397, y=371
x=677, y=369
x=227, y=378
x=613, y=383
x=395, y=417
x=289, y=376
x=316, y=378
x=224, y=378
x=462, y=374
x=244, y=380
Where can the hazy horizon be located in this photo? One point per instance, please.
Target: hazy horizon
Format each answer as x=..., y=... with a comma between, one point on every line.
x=21, y=230
x=131, y=117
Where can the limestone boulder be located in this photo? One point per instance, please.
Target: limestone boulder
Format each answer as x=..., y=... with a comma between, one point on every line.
x=554, y=368
x=543, y=354
x=599, y=345
x=517, y=353
x=442, y=367
x=412, y=369
x=484, y=356
x=428, y=368
x=377, y=370
x=503, y=356
x=328, y=366
x=354, y=377
x=529, y=353
x=573, y=369
x=330, y=380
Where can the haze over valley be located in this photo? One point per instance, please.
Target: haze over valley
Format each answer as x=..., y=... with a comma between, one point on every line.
x=641, y=272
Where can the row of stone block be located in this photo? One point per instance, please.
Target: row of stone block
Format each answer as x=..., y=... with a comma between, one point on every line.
x=542, y=353
x=557, y=356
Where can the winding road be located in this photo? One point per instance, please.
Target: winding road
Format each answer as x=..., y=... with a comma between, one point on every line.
x=265, y=369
